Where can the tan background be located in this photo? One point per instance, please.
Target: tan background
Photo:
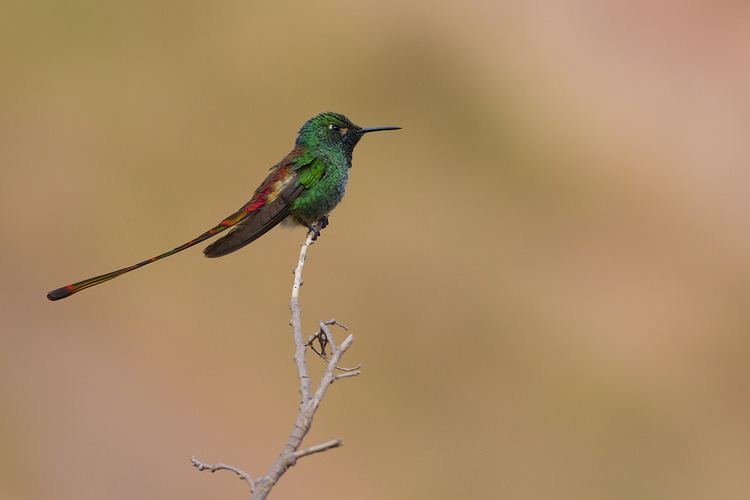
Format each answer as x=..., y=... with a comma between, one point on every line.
x=546, y=271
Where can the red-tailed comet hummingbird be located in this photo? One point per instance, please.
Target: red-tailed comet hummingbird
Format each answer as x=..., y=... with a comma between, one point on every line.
x=302, y=188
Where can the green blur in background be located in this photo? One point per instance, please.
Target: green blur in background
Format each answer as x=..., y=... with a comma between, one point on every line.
x=546, y=272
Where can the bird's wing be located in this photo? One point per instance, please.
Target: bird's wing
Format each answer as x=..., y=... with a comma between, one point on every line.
x=269, y=205
x=259, y=223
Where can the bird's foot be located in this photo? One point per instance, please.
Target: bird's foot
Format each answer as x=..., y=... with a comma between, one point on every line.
x=315, y=230
x=318, y=227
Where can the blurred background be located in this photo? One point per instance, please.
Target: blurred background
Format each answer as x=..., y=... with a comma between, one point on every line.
x=546, y=272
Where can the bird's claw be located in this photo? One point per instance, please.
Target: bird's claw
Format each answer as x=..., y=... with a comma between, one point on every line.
x=318, y=227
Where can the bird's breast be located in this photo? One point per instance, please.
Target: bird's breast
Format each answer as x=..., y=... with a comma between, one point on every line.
x=318, y=200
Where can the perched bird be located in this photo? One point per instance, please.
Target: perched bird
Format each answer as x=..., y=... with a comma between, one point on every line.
x=302, y=188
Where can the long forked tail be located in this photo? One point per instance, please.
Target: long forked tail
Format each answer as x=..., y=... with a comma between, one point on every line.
x=230, y=221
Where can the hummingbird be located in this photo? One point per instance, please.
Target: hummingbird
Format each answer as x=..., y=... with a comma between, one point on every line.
x=301, y=189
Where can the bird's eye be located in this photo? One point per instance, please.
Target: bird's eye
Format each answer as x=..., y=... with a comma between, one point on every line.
x=333, y=127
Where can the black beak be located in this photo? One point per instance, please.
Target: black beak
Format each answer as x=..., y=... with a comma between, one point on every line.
x=376, y=129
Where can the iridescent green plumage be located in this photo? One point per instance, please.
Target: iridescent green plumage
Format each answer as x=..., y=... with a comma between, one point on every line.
x=303, y=187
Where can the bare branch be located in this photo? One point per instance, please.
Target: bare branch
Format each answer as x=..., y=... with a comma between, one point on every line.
x=332, y=322
x=244, y=476
x=309, y=401
x=333, y=443
x=309, y=405
x=296, y=323
x=348, y=374
x=328, y=375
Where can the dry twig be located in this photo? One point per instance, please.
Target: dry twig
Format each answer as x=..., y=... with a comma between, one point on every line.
x=309, y=401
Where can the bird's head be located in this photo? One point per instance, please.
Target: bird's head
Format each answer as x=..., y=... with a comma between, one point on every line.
x=333, y=131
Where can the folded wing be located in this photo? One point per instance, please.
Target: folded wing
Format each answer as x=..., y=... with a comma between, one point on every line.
x=262, y=220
